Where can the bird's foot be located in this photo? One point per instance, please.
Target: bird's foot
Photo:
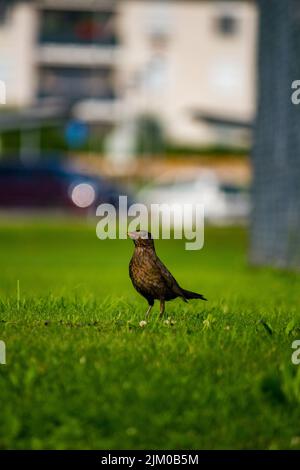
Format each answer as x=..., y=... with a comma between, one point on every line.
x=162, y=308
x=148, y=311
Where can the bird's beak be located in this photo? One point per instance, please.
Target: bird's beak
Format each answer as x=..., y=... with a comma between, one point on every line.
x=132, y=235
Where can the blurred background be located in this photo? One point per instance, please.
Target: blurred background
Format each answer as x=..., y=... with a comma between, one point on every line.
x=154, y=99
x=155, y=96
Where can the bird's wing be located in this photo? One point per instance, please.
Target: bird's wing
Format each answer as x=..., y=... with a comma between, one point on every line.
x=168, y=278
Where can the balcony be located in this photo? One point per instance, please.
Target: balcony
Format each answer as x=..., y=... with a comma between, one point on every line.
x=73, y=84
x=83, y=38
x=76, y=55
x=94, y=5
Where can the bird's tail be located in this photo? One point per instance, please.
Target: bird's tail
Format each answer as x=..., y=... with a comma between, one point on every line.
x=192, y=295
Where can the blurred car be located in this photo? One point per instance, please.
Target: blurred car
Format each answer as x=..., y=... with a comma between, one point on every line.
x=52, y=185
x=223, y=202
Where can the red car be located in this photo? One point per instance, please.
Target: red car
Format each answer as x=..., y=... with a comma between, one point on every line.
x=52, y=184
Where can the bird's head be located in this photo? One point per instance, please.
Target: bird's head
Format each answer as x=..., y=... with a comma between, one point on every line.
x=142, y=238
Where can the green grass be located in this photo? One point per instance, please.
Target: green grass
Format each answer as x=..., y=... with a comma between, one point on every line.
x=82, y=373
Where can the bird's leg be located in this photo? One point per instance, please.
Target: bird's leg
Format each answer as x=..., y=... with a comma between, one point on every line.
x=162, y=308
x=148, y=311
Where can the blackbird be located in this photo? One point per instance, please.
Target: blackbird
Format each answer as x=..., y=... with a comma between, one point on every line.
x=150, y=277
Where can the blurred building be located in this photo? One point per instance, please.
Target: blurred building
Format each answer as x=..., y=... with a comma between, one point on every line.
x=17, y=52
x=189, y=63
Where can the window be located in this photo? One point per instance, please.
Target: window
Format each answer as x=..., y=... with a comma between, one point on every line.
x=4, y=11
x=72, y=83
x=78, y=27
x=227, y=25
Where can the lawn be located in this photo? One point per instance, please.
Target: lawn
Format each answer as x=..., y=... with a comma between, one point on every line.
x=82, y=373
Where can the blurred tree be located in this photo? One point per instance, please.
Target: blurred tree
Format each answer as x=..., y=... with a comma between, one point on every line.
x=150, y=136
x=275, y=231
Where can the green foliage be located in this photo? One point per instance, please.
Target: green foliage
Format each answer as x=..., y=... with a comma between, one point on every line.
x=150, y=136
x=48, y=139
x=82, y=373
x=213, y=151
